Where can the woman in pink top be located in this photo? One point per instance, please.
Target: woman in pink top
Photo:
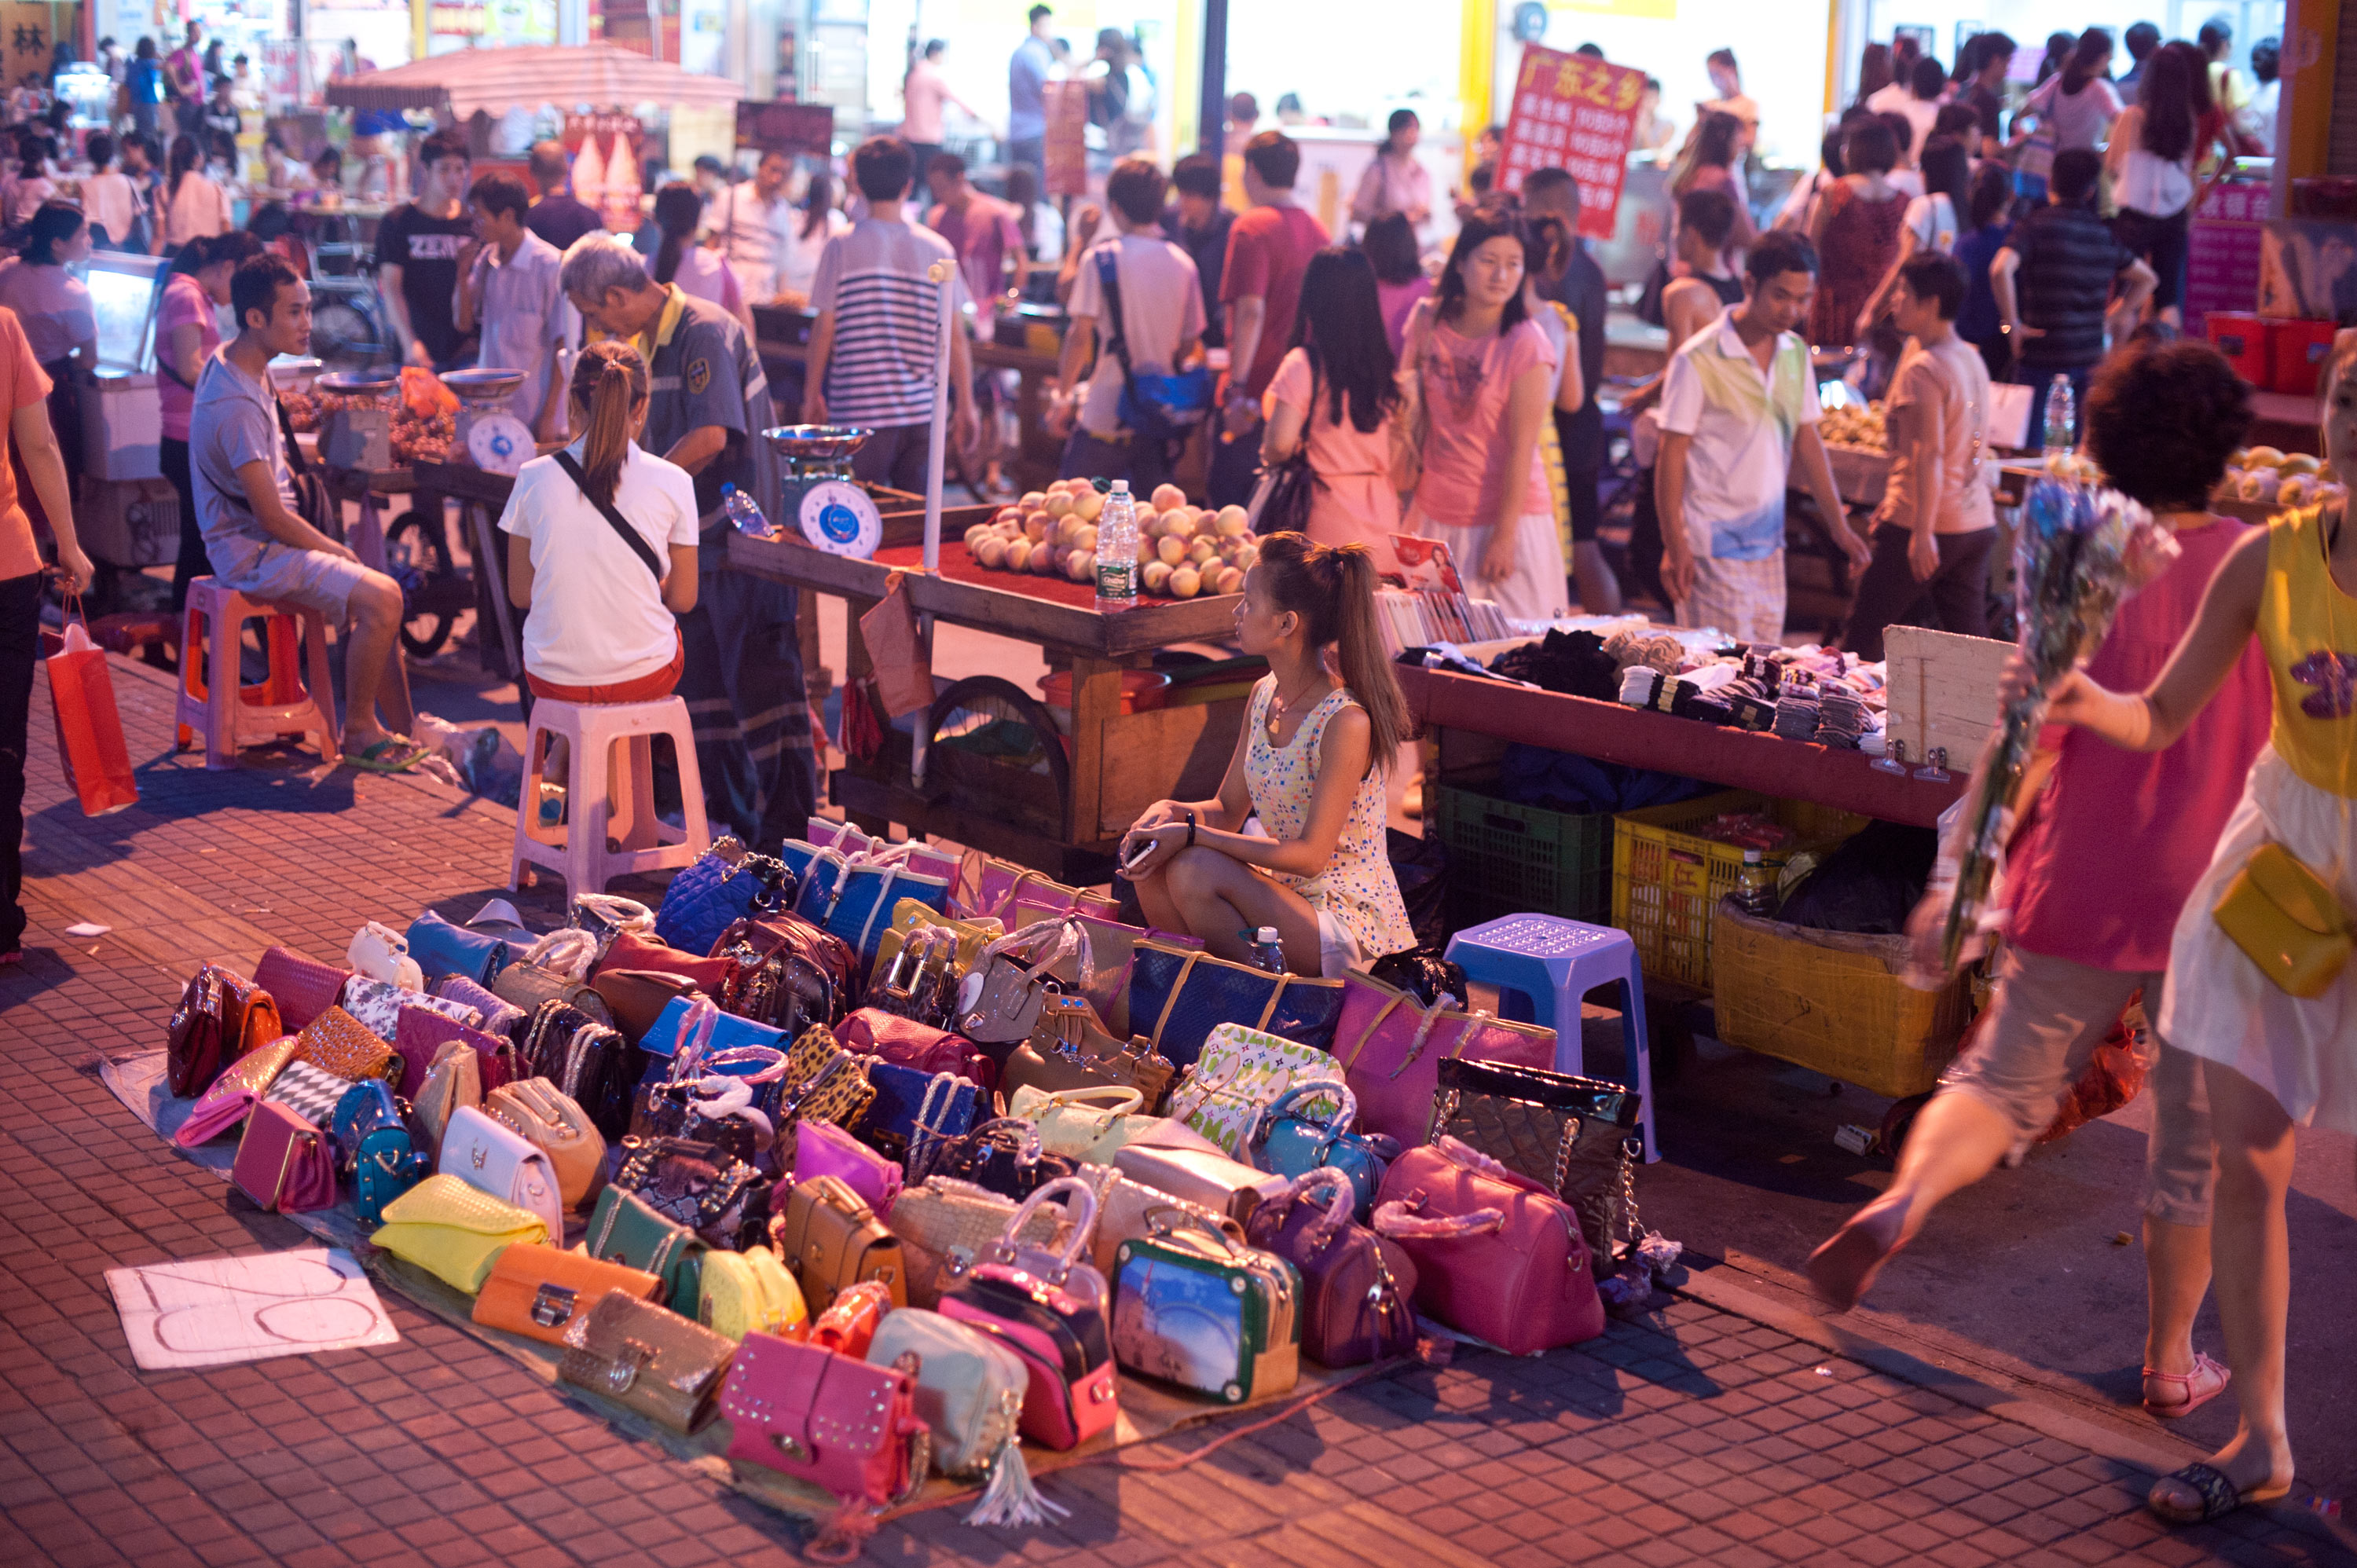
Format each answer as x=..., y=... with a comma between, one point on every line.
x=2099, y=871
x=699, y=272
x=1390, y=247
x=922, y=96
x=1336, y=383
x=187, y=331
x=1485, y=374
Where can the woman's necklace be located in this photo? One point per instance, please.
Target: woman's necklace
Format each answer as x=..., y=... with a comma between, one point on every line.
x=1279, y=704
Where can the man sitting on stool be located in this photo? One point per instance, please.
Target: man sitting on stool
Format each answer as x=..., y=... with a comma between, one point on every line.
x=255, y=534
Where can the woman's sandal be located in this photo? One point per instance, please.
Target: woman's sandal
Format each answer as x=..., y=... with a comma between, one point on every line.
x=2215, y=1489
x=2205, y=1382
x=1842, y=1268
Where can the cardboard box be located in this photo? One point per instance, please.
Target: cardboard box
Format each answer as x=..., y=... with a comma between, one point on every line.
x=1942, y=692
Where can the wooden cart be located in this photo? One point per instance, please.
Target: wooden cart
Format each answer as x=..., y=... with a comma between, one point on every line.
x=1118, y=764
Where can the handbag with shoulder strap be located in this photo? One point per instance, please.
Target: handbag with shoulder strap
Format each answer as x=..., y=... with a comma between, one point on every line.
x=2287, y=920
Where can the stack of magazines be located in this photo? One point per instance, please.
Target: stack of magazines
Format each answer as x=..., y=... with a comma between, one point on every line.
x=1419, y=617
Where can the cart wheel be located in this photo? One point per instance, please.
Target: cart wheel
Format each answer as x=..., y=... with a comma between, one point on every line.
x=990, y=741
x=1898, y=1121
x=343, y=336
x=414, y=543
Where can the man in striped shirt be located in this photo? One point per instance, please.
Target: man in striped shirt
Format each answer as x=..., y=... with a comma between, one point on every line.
x=873, y=352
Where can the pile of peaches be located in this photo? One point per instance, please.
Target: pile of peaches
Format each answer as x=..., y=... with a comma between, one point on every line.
x=1182, y=550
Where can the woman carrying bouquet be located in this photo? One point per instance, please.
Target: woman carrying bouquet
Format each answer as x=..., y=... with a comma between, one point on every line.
x=2273, y=1059
x=2102, y=862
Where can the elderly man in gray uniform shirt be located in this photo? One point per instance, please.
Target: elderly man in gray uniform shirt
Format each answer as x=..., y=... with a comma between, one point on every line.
x=709, y=404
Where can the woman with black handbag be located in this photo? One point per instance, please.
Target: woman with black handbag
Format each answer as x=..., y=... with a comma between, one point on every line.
x=1326, y=451
x=586, y=526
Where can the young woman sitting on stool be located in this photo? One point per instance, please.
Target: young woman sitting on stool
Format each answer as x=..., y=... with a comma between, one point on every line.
x=1306, y=766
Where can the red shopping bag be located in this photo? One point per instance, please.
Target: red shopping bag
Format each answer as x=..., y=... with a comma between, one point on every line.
x=90, y=730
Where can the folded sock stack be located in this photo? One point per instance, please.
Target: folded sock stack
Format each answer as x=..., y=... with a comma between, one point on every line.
x=1638, y=683
x=1796, y=717
x=1841, y=717
x=1666, y=700
x=1709, y=710
x=1754, y=714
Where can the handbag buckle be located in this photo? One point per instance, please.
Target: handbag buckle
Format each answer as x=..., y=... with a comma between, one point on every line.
x=790, y=1447
x=551, y=1303
x=624, y=1369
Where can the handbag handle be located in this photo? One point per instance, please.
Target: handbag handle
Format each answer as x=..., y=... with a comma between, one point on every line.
x=568, y=952
x=1340, y=1199
x=1027, y=1148
x=1084, y=1222
x=1404, y=1218
x=623, y=914
x=1125, y=1102
x=1345, y=1115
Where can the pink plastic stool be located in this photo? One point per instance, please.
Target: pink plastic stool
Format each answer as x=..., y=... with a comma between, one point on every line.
x=232, y=716
x=604, y=800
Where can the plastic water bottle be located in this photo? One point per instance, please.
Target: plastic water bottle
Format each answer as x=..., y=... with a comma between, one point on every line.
x=1117, y=548
x=744, y=513
x=1268, y=952
x=1755, y=886
x=2062, y=417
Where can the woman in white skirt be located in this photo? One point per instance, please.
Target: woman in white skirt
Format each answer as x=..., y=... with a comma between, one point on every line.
x=2272, y=1059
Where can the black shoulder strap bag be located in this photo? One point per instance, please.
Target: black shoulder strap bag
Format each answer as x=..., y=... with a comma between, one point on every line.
x=630, y=536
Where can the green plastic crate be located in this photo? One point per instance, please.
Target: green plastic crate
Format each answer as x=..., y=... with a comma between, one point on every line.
x=1505, y=858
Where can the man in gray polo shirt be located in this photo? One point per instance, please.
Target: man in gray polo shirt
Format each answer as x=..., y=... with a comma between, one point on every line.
x=708, y=403
x=255, y=534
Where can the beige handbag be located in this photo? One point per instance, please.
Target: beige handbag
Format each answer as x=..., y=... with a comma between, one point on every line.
x=1209, y=1179
x=454, y=1082
x=944, y=1225
x=1090, y=1124
x=1125, y=1209
x=553, y=1123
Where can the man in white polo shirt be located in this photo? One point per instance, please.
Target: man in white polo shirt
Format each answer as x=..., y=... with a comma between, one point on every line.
x=1738, y=406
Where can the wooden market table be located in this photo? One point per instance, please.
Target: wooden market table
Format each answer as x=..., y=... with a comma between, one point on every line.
x=1119, y=763
x=1609, y=731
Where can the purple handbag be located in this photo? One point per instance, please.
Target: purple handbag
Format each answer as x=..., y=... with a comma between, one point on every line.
x=821, y=1148
x=500, y=1016
x=421, y=1031
x=302, y=988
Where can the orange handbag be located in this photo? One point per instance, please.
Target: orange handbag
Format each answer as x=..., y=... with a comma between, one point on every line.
x=538, y=1292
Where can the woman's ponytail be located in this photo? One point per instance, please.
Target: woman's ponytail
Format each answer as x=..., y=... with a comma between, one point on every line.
x=609, y=382
x=1332, y=589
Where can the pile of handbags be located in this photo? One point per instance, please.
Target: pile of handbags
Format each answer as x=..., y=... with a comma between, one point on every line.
x=893, y=1163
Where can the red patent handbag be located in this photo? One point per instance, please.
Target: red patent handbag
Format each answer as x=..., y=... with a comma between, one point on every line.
x=1497, y=1255
x=904, y=1042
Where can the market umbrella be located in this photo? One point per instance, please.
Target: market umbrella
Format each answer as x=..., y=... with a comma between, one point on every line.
x=603, y=76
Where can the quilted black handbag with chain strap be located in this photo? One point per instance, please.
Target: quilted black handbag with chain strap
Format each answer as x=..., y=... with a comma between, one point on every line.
x=1571, y=1135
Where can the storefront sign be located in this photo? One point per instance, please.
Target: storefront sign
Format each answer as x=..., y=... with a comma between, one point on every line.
x=1067, y=146
x=797, y=127
x=1578, y=115
x=25, y=39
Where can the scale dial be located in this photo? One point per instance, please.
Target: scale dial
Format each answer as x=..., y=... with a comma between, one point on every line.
x=840, y=519
x=500, y=443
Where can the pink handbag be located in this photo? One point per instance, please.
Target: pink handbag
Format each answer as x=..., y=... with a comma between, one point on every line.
x=1497, y=1256
x=827, y=1419
x=284, y=1163
x=420, y=1033
x=846, y=840
x=1391, y=1046
x=302, y=988
x=1053, y=1311
x=999, y=884
x=904, y=1042
x=821, y=1148
x=225, y=1102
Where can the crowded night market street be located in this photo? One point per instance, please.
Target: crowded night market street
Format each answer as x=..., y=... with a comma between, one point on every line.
x=1567, y=782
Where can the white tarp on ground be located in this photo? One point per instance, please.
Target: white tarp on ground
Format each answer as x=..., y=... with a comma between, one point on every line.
x=210, y=1312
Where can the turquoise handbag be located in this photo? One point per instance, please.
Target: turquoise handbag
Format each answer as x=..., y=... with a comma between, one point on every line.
x=1290, y=1141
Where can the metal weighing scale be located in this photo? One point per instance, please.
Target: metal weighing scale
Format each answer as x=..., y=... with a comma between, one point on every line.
x=817, y=492
x=497, y=441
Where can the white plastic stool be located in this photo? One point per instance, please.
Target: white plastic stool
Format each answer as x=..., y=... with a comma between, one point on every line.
x=1554, y=962
x=214, y=702
x=603, y=800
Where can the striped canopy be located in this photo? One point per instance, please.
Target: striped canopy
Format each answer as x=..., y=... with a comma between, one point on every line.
x=594, y=76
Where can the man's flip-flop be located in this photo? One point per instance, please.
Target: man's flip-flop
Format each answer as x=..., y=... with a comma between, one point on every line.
x=391, y=755
x=2215, y=1489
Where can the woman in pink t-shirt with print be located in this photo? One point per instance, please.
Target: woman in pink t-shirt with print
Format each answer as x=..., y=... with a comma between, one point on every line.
x=1334, y=390
x=188, y=332
x=2111, y=845
x=1485, y=374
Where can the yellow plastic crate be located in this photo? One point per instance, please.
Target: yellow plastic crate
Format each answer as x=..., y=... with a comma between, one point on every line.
x=1666, y=882
x=1834, y=1001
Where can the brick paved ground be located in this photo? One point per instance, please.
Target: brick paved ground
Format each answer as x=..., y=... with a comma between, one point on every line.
x=1698, y=1436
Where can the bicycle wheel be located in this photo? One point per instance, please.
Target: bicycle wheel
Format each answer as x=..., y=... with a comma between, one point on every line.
x=342, y=334
x=990, y=744
x=412, y=542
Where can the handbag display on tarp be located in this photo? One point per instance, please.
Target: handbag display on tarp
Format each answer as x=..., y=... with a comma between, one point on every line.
x=1125, y=1211
x=302, y=987
x=969, y=1388
x=369, y=1133
x=377, y=1004
x=1178, y=995
x=2287, y=920
x=1497, y=1256
x=420, y=1037
x=998, y=884
x=1193, y=1308
x=380, y=952
x=553, y=1123
x=967, y=938
x=825, y=1150
x=440, y=948
x=221, y=1016
x=749, y=1291
x=1391, y=1046
x=1087, y=1124
x=1356, y=1286
x=726, y=884
x=832, y=1239
x=540, y=1292
x=916, y=1115
x=848, y=1426
x=528, y=985
x=824, y=1082
x=236, y=1091
x=1202, y=1176
x=623, y=1229
x=723, y=1199
x=284, y=1163
x=305, y=1090
x=454, y=1232
x=1571, y=1135
x=637, y=997
x=648, y=1361
x=642, y=953
x=1114, y=950
x=854, y=896
x=499, y=1017
x=944, y=1225
x=1051, y=1312
x=1069, y=1049
x=588, y=1060
x=784, y=970
x=453, y=1080
x=1292, y=1139
x=848, y=1324
x=1240, y=1074
x=337, y=1042
x=483, y=1153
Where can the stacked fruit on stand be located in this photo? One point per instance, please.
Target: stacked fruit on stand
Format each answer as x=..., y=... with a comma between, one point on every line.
x=2265, y=475
x=1182, y=550
x=1850, y=426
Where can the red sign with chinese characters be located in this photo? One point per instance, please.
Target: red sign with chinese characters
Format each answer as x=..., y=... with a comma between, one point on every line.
x=1576, y=114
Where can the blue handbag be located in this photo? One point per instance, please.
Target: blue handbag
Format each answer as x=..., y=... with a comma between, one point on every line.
x=441, y=948
x=1289, y=1140
x=728, y=1032
x=373, y=1148
x=716, y=892
x=915, y=1112
x=1178, y=995
x=853, y=895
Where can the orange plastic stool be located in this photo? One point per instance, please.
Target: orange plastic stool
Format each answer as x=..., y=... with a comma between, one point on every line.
x=230, y=716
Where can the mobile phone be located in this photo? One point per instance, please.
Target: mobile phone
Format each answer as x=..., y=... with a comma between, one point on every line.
x=1145, y=848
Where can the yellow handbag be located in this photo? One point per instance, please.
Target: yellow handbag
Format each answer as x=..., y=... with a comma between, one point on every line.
x=2287, y=920
x=908, y=914
x=1087, y=1124
x=454, y=1232
x=751, y=1290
